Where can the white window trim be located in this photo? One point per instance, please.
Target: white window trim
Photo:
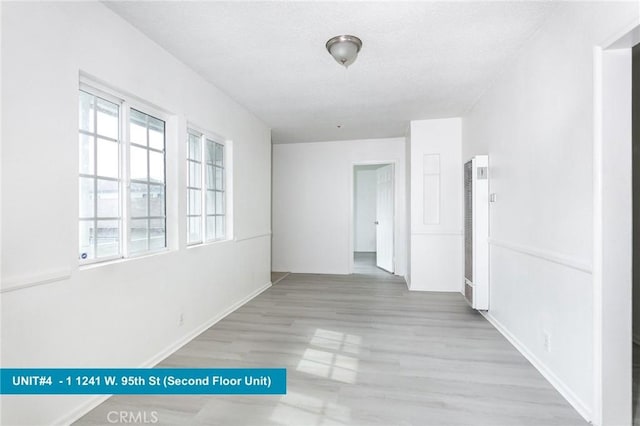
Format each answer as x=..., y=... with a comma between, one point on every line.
x=192, y=131
x=116, y=100
x=205, y=135
x=161, y=116
x=126, y=103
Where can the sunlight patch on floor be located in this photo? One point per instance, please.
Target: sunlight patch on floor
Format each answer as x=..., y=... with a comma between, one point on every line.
x=330, y=355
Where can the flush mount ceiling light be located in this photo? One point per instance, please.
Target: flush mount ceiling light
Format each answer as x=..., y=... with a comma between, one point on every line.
x=344, y=49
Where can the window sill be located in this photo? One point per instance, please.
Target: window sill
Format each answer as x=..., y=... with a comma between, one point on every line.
x=98, y=264
x=209, y=243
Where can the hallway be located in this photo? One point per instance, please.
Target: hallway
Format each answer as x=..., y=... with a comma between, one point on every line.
x=365, y=263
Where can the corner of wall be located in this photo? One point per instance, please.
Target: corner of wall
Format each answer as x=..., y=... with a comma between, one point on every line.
x=435, y=205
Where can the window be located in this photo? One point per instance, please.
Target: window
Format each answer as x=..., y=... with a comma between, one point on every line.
x=206, y=192
x=100, y=180
x=147, y=187
x=194, y=188
x=215, y=226
x=122, y=209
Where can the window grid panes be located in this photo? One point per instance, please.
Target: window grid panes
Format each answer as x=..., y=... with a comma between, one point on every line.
x=215, y=185
x=147, y=204
x=206, y=211
x=100, y=219
x=116, y=220
x=194, y=188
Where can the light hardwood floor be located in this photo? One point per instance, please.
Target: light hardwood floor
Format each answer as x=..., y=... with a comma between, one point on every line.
x=360, y=350
x=365, y=263
x=276, y=277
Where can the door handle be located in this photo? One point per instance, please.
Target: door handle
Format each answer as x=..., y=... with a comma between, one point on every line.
x=376, y=222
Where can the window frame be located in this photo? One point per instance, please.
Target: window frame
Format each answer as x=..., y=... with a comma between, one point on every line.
x=191, y=131
x=154, y=113
x=98, y=93
x=203, y=137
x=125, y=104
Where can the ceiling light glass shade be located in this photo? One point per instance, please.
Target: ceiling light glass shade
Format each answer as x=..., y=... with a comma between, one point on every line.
x=344, y=49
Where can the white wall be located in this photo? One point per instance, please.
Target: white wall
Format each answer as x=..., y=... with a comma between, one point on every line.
x=436, y=242
x=408, y=186
x=364, y=209
x=125, y=313
x=312, y=202
x=636, y=191
x=613, y=242
x=536, y=124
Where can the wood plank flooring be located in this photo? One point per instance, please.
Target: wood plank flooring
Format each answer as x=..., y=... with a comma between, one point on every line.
x=276, y=277
x=364, y=262
x=359, y=350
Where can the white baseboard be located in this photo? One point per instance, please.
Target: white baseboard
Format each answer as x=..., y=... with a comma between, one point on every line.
x=554, y=380
x=81, y=410
x=92, y=403
x=153, y=361
x=286, y=274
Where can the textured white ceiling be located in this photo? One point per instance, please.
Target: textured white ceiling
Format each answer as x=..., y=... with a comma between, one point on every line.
x=419, y=59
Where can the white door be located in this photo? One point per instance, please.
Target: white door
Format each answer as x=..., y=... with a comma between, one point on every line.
x=384, y=218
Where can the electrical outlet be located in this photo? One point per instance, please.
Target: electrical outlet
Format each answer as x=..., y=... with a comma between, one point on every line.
x=547, y=341
x=181, y=319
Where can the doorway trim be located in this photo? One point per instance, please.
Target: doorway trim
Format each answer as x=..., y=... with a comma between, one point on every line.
x=351, y=227
x=612, y=229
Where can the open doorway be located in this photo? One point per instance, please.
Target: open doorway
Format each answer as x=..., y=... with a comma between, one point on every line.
x=373, y=219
